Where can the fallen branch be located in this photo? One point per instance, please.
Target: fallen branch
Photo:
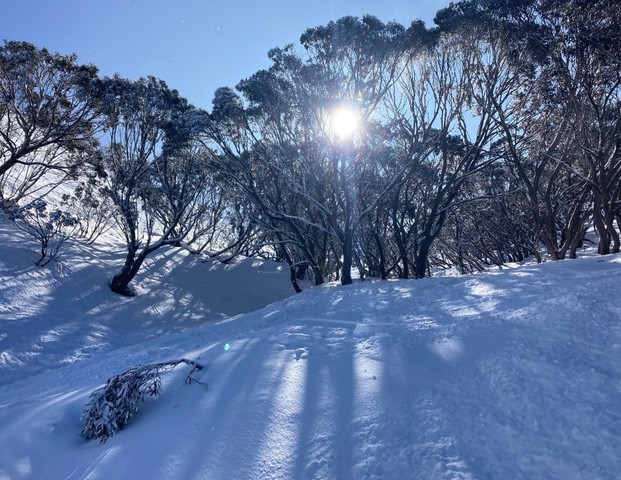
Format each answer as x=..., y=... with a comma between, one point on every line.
x=113, y=406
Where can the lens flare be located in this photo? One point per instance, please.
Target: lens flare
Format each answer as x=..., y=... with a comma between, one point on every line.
x=344, y=122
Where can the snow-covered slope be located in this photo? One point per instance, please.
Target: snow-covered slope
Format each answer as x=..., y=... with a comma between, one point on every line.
x=511, y=374
x=58, y=315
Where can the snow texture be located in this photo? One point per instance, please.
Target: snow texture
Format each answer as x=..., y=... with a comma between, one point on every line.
x=513, y=373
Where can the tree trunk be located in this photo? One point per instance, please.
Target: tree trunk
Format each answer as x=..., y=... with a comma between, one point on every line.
x=318, y=276
x=577, y=242
x=292, y=273
x=600, y=228
x=39, y=262
x=397, y=231
x=347, y=258
x=294, y=280
x=422, y=258
x=120, y=282
x=382, y=256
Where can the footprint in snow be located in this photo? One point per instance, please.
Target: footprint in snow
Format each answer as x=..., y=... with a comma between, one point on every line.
x=301, y=353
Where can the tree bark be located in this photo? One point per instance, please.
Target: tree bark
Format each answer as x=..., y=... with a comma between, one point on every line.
x=347, y=258
x=120, y=282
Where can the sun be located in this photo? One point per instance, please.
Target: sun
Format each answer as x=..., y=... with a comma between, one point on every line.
x=344, y=122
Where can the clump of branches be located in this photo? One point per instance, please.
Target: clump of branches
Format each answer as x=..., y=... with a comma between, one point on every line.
x=93, y=209
x=50, y=227
x=113, y=406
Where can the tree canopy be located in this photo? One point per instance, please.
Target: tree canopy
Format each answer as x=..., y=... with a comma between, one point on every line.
x=374, y=146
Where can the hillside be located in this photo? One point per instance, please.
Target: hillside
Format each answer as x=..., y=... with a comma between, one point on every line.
x=64, y=313
x=513, y=373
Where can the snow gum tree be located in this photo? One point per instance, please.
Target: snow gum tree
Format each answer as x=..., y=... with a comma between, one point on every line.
x=511, y=137
x=51, y=227
x=47, y=109
x=281, y=145
x=561, y=125
x=152, y=179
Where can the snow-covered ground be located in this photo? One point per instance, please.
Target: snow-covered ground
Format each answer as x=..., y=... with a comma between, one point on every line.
x=61, y=314
x=510, y=374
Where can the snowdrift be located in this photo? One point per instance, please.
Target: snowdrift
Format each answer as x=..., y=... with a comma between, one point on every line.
x=514, y=373
x=55, y=316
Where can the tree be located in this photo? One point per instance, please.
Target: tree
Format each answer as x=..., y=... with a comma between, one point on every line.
x=295, y=168
x=51, y=228
x=535, y=143
x=567, y=118
x=152, y=179
x=259, y=170
x=441, y=136
x=47, y=110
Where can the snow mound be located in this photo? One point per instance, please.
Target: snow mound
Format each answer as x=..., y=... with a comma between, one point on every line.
x=64, y=313
x=507, y=374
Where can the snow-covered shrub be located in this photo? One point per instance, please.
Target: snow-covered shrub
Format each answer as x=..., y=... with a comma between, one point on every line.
x=113, y=406
x=94, y=210
x=50, y=227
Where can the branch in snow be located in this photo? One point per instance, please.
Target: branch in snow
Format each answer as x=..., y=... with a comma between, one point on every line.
x=113, y=406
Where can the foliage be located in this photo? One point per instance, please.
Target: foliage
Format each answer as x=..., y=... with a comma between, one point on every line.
x=113, y=406
x=493, y=136
x=154, y=179
x=50, y=227
x=48, y=104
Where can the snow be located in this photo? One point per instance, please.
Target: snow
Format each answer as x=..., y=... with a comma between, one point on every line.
x=512, y=373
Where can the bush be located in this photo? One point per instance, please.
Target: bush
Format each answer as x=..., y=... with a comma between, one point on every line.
x=113, y=406
x=50, y=227
x=93, y=209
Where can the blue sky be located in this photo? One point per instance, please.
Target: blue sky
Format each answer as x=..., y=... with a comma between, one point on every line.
x=196, y=46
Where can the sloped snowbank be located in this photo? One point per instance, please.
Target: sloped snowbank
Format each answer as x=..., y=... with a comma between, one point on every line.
x=58, y=315
x=508, y=374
